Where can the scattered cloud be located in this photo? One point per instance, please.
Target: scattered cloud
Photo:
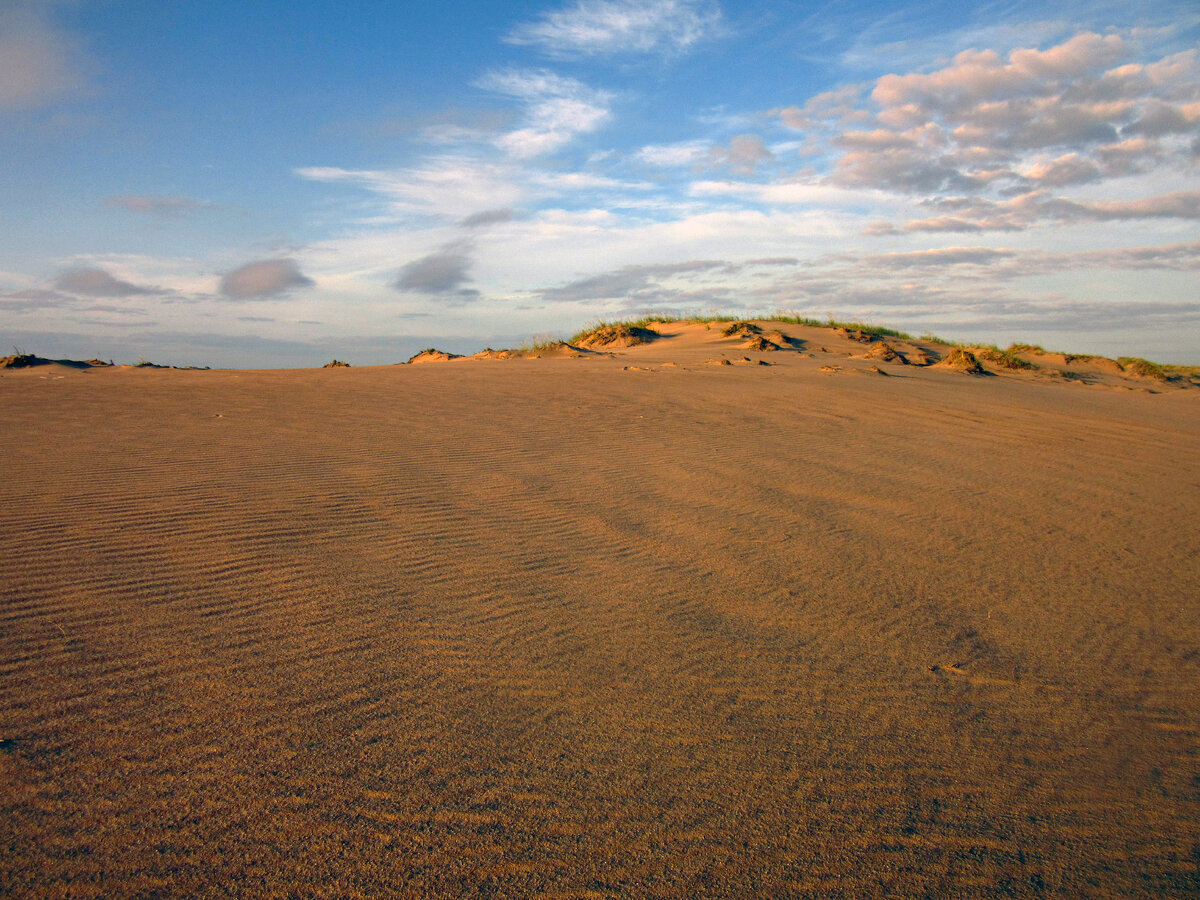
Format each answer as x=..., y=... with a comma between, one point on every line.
x=638, y=283
x=682, y=153
x=161, y=207
x=452, y=185
x=32, y=299
x=611, y=27
x=488, y=217
x=556, y=109
x=987, y=138
x=91, y=282
x=973, y=214
x=943, y=256
x=442, y=272
x=264, y=278
x=745, y=153
x=39, y=62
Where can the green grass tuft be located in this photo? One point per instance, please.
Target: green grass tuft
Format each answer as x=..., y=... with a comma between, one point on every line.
x=1143, y=367
x=1005, y=359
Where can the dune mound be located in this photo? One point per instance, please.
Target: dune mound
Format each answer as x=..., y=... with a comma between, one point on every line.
x=962, y=360
x=783, y=340
x=432, y=354
x=22, y=361
x=489, y=353
x=734, y=329
x=885, y=352
x=856, y=334
x=618, y=335
x=29, y=360
x=761, y=344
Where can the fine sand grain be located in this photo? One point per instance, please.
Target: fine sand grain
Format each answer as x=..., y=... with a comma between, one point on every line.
x=614, y=625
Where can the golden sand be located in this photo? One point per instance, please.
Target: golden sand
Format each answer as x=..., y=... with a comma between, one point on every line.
x=606, y=623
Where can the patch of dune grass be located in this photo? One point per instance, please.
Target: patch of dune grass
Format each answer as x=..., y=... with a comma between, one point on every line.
x=1005, y=359
x=1143, y=367
x=831, y=322
x=631, y=332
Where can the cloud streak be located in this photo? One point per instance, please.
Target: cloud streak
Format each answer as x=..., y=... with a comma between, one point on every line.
x=557, y=109
x=160, y=207
x=612, y=27
x=93, y=282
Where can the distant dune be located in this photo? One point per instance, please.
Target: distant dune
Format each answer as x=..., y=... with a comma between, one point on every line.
x=705, y=609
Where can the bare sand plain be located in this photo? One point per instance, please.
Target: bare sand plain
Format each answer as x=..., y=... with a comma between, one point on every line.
x=611, y=624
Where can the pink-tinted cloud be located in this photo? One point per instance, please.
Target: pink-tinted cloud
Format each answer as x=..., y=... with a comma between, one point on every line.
x=264, y=278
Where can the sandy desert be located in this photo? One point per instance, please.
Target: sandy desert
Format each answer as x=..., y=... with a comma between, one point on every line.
x=787, y=611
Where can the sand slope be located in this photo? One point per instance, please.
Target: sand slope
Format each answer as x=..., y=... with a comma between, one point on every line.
x=626, y=625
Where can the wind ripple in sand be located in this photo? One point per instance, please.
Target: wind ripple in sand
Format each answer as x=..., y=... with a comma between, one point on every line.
x=477, y=629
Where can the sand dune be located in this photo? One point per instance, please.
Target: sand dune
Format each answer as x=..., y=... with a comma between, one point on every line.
x=619, y=623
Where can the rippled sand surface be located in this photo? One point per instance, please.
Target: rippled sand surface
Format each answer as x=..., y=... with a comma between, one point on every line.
x=629, y=625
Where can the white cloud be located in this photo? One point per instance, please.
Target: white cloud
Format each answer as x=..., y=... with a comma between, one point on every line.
x=977, y=76
x=681, y=153
x=557, y=109
x=447, y=186
x=592, y=27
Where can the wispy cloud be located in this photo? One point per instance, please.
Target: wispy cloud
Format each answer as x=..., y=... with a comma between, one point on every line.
x=968, y=214
x=453, y=186
x=556, y=109
x=488, y=217
x=681, y=153
x=92, y=282
x=637, y=283
x=263, y=279
x=161, y=207
x=607, y=27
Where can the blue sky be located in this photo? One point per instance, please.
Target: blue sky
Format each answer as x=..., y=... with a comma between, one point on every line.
x=271, y=184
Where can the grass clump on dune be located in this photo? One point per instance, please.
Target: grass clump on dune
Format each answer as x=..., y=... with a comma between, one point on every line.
x=628, y=334
x=1005, y=359
x=1143, y=367
x=831, y=322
